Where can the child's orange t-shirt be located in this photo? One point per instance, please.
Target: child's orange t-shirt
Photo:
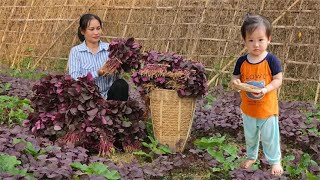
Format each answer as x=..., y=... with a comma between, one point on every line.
x=260, y=75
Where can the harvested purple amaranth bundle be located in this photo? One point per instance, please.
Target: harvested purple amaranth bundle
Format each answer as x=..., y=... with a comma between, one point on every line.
x=124, y=54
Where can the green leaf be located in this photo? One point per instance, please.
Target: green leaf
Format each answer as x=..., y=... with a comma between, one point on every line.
x=255, y=166
x=141, y=153
x=289, y=158
x=12, y=110
x=32, y=150
x=8, y=162
x=230, y=149
x=205, y=143
x=311, y=176
x=76, y=177
x=154, y=142
x=216, y=169
x=233, y=166
x=147, y=145
x=305, y=160
x=97, y=168
x=217, y=155
x=82, y=167
x=231, y=158
x=16, y=141
x=112, y=175
x=165, y=149
x=293, y=171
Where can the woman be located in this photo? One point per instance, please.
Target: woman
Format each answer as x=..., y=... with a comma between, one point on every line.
x=91, y=55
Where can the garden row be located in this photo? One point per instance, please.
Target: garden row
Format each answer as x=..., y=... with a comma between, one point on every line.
x=27, y=155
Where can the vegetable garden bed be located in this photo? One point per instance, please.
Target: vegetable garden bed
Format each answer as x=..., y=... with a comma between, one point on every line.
x=213, y=151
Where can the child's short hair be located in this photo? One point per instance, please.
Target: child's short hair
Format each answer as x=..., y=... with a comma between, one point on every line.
x=252, y=22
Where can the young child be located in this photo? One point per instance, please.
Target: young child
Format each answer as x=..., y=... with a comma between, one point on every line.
x=259, y=110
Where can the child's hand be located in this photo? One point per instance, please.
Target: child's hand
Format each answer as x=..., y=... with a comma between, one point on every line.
x=263, y=91
x=235, y=82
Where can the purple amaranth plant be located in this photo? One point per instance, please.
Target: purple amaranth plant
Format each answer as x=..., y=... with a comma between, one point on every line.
x=171, y=71
x=124, y=55
x=70, y=111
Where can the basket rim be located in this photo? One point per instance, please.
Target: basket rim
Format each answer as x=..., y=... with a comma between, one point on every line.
x=161, y=89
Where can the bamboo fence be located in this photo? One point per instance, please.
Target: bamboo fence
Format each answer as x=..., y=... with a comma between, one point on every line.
x=40, y=33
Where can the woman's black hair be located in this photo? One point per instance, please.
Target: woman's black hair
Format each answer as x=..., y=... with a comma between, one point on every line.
x=84, y=22
x=252, y=22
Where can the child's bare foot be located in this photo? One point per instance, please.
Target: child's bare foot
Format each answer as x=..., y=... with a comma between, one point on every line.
x=247, y=163
x=276, y=170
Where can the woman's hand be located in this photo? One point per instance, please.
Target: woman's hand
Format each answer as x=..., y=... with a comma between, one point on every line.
x=102, y=70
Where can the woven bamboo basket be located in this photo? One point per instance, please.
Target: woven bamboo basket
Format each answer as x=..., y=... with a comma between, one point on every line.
x=172, y=118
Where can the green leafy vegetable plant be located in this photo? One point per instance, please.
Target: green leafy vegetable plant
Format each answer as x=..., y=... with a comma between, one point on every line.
x=225, y=154
x=155, y=149
x=8, y=165
x=296, y=169
x=13, y=109
x=96, y=169
x=29, y=148
x=210, y=100
x=4, y=87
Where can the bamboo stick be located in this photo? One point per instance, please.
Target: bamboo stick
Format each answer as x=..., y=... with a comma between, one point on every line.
x=57, y=24
x=278, y=18
x=317, y=91
x=152, y=22
x=75, y=37
x=227, y=42
x=243, y=50
x=7, y=24
x=163, y=24
x=58, y=19
x=287, y=62
x=56, y=27
x=42, y=26
x=195, y=44
x=53, y=43
x=301, y=80
x=21, y=37
x=287, y=48
x=3, y=2
x=190, y=38
x=128, y=19
x=173, y=23
x=169, y=8
x=285, y=78
x=303, y=63
x=262, y=6
x=105, y=11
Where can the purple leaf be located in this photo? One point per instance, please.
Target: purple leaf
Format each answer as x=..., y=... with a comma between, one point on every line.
x=93, y=112
x=80, y=107
x=114, y=111
x=57, y=127
x=103, y=120
x=73, y=111
x=89, y=129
